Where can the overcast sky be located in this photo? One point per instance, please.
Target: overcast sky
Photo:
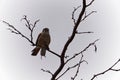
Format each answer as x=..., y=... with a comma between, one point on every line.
x=16, y=62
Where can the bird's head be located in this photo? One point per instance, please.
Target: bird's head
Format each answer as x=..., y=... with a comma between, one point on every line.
x=45, y=30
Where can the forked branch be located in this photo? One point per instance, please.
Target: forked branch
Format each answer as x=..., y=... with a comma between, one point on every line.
x=81, y=52
x=73, y=14
x=47, y=71
x=86, y=15
x=30, y=26
x=69, y=68
x=76, y=24
x=109, y=69
x=78, y=67
x=90, y=3
x=16, y=31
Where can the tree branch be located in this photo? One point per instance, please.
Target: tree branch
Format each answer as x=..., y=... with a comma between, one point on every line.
x=16, y=31
x=109, y=69
x=75, y=55
x=68, y=70
x=90, y=3
x=84, y=32
x=30, y=26
x=47, y=71
x=73, y=13
x=75, y=29
x=78, y=64
x=54, y=53
x=78, y=67
x=86, y=15
x=69, y=41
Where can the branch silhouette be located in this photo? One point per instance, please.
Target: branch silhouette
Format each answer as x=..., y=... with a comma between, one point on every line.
x=62, y=62
x=78, y=67
x=109, y=69
x=48, y=71
x=84, y=32
x=81, y=52
x=16, y=31
x=30, y=26
x=73, y=14
x=54, y=53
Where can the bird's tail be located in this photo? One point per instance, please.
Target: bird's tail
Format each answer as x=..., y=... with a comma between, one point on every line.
x=35, y=51
x=43, y=51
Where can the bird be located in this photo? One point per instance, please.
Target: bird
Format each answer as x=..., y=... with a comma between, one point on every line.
x=42, y=43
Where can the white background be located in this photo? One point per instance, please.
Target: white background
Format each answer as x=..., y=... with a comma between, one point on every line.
x=16, y=62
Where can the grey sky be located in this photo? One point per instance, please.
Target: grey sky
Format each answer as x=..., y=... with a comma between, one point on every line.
x=16, y=63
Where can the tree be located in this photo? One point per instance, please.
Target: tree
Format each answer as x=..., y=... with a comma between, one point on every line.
x=64, y=59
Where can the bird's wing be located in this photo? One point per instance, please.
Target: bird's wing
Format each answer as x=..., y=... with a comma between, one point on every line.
x=37, y=41
x=47, y=41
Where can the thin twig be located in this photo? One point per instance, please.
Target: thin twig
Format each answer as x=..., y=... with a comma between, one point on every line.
x=47, y=71
x=93, y=43
x=109, y=69
x=73, y=13
x=86, y=15
x=90, y=3
x=30, y=26
x=84, y=32
x=78, y=67
x=54, y=53
x=68, y=70
x=16, y=31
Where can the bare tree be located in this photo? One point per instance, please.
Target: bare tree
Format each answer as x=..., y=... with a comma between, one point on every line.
x=62, y=57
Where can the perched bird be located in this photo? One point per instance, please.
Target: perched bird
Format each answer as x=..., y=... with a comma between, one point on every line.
x=42, y=43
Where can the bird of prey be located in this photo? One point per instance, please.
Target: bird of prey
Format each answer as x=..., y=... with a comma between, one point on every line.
x=42, y=43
